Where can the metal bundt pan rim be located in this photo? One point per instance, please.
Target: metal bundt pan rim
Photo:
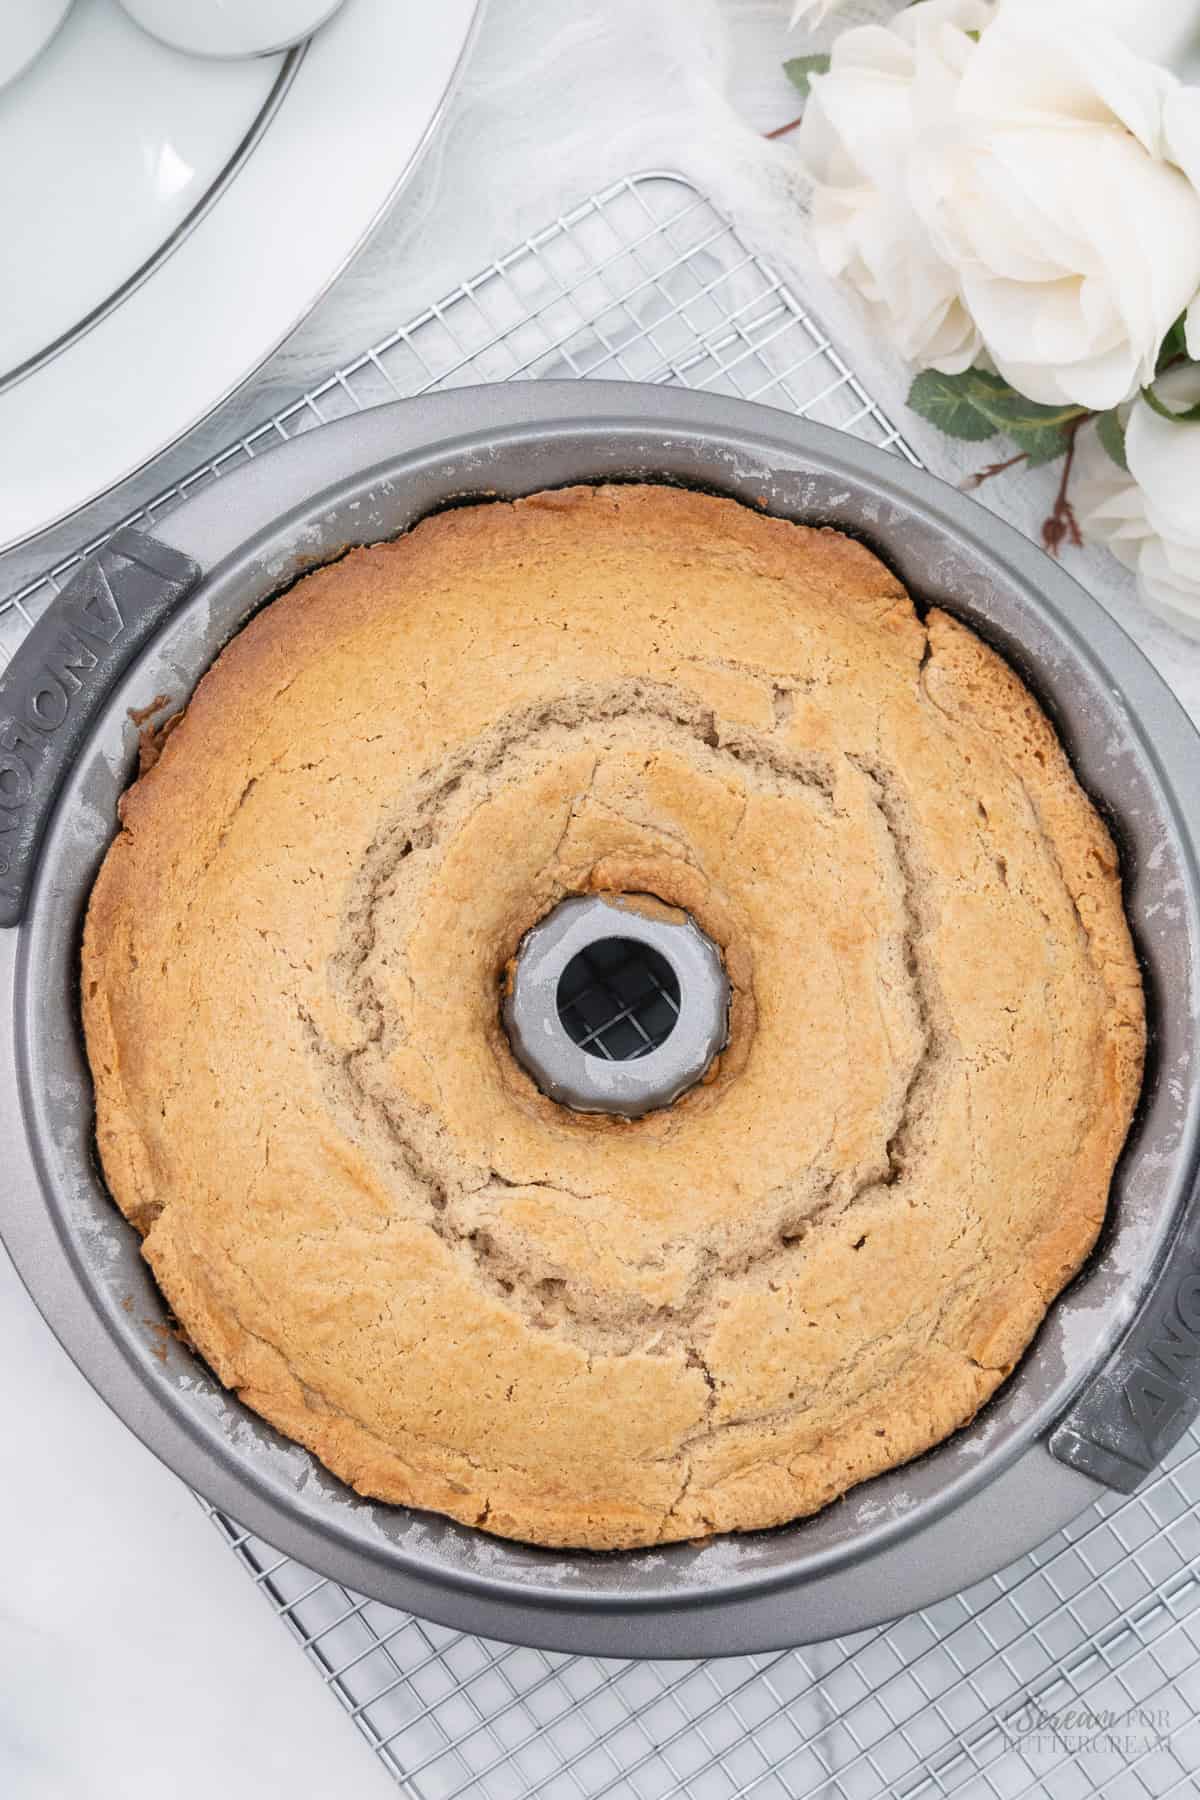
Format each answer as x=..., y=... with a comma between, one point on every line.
x=913, y=1534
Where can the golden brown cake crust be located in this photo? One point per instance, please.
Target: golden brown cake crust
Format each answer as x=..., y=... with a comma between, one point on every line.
x=585, y=1331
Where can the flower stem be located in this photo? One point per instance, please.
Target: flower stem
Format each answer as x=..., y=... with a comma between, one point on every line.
x=985, y=474
x=1062, y=526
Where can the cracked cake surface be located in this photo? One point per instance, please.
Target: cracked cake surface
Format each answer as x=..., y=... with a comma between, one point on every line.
x=572, y=1329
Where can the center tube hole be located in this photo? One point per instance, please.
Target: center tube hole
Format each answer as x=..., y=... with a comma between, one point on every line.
x=618, y=999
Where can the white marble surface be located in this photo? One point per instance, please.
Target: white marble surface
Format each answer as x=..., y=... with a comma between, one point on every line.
x=136, y=1659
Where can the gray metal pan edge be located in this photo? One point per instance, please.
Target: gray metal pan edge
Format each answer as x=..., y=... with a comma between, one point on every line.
x=924, y=1530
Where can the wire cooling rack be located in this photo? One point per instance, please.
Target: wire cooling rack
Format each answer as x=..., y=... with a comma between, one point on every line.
x=618, y=999
x=1076, y=1671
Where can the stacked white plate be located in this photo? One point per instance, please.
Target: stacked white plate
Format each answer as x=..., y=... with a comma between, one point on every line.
x=166, y=220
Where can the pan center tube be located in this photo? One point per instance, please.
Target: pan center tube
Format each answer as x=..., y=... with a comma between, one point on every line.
x=616, y=1004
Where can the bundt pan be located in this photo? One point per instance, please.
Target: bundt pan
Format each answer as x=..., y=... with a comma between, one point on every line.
x=1113, y=1377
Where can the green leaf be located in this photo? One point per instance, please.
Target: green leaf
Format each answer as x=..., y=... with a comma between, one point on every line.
x=1111, y=433
x=1041, y=444
x=1188, y=416
x=948, y=402
x=1174, y=345
x=801, y=69
x=975, y=405
x=1013, y=413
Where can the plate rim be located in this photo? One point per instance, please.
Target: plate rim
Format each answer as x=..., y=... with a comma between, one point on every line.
x=24, y=370
x=330, y=54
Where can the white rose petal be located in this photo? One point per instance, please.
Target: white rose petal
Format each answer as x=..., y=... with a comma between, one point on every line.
x=1054, y=62
x=1162, y=31
x=1029, y=194
x=1181, y=130
x=855, y=141
x=814, y=12
x=1048, y=184
x=1150, y=517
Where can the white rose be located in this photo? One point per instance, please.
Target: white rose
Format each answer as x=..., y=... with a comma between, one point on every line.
x=1164, y=31
x=814, y=12
x=855, y=141
x=1048, y=183
x=1149, y=517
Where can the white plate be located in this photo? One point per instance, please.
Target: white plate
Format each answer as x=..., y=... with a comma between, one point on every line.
x=165, y=221
x=24, y=34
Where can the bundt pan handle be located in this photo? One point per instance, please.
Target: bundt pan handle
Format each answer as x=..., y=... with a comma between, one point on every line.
x=1143, y=1400
x=61, y=677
